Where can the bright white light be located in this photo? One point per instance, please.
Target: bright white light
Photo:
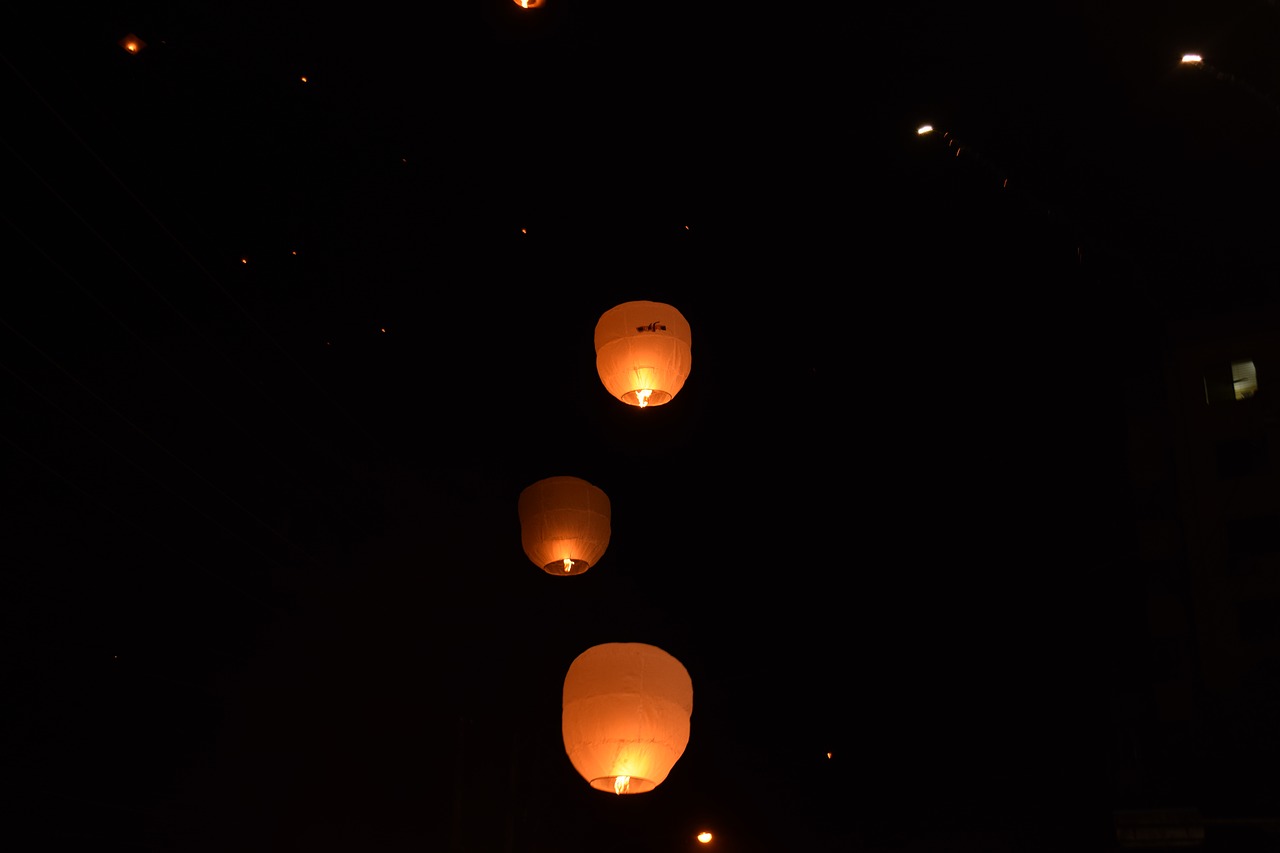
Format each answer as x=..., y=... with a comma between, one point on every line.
x=923, y=129
x=1191, y=59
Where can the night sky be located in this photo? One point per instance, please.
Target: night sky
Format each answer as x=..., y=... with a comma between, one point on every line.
x=279, y=356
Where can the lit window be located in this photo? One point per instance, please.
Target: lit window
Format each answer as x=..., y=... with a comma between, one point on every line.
x=1244, y=379
x=1225, y=383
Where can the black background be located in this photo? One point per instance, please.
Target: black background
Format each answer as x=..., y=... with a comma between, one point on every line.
x=279, y=357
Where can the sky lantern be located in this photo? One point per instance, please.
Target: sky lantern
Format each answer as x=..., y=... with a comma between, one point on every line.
x=529, y=4
x=643, y=352
x=626, y=716
x=564, y=524
x=132, y=44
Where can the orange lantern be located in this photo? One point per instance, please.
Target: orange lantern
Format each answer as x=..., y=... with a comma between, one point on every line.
x=529, y=4
x=643, y=352
x=132, y=44
x=564, y=524
x=626, y=716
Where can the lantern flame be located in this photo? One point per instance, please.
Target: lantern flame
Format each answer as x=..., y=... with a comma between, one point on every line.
x=642, y=396
x=621, y=784
x=568, y=564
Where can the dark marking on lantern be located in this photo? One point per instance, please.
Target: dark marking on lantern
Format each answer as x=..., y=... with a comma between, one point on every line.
x=655, y=326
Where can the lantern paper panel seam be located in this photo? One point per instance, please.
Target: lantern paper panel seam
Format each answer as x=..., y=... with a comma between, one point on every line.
x=626, y=714
x=644, y=352
x=564, y=524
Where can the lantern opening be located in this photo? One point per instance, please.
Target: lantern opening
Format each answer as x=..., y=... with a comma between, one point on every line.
x=567, y=566
x=623, y=784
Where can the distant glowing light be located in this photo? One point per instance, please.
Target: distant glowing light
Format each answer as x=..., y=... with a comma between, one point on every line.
x=1191, y=59
x=303, y=78
x=529, y=4
x=621, y=784
x=244, y=260
x=132, y=44
x=384, y=330
x=704, y=837
x=828, y=755
x=923, y=129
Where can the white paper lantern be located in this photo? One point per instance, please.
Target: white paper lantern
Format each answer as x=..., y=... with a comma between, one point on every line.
x=643, y=352
x=564, y=524
x=626, y=716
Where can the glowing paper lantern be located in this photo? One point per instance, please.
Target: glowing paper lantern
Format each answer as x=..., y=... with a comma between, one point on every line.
x=132, y=44
x=626, y=716
x=643, y=352
x=564, y=524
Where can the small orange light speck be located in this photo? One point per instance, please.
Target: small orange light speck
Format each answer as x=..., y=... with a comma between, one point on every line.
x=704, y=837
x=244, y=260
x=303, y=78
x=828, y=755
x=384, y=331
x=294, y=252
